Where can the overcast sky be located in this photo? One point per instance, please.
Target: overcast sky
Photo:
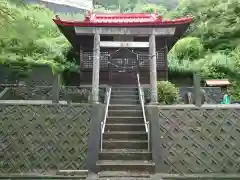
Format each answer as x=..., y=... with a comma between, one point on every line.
x=65, y=5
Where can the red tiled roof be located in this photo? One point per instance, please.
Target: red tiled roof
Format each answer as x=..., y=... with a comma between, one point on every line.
x=123, y=19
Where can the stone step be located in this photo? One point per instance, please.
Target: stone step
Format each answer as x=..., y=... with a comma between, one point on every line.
x=121, y=174
x=125, y=135
x=124, y=127
x=125, y=154
x=124, y=120
x=119, y=165
x=122, y=178
x=124, y=107
x=124, y=88
x=127, y=97
x=124, y=101
x=124, y=92
x=125, y=144
x=131, y=113
x=83, y=173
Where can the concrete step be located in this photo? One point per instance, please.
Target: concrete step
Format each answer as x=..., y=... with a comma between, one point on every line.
x=127, y=97
x=119, y=165
x=125, y=135
x=125, y=154
x=124, y=120
x=121, y=174
x=124, y=127
x=124, y=88
x=122, y=93
x=122, y=178
x=124, y=107
x=124, y=101
x=83, y=173
x=125, y=144
x=131, y=113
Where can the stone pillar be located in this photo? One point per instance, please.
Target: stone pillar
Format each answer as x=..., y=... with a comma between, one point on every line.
x=56, y=88
x=198, y=94
x=153, y=69
x=96, y=68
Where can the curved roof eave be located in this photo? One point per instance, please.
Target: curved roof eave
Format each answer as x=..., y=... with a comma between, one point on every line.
x=121, y=24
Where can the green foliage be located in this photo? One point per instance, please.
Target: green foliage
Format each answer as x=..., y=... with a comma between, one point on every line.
x=30, y=37
x=168, y=93
x=216, y=22
x=189, y=47
x=151, y=8
x=211, y=45
x=131, y=4
x=216, y=30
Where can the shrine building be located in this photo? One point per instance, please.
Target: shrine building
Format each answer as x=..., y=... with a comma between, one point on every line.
x=114, y=47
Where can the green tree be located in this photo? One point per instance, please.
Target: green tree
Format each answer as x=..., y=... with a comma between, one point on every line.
x=29, y=36
x=151, y=8
x=215, y=22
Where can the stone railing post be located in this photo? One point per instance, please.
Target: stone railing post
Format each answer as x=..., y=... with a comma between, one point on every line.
x=56, y=88
x=197, y=89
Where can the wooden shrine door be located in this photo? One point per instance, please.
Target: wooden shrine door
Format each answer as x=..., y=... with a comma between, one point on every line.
x=123, y=67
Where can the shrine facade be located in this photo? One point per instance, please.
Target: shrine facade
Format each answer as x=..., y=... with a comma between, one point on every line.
x=114, y=48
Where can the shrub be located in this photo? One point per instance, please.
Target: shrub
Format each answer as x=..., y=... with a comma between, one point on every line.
x=167, y=92
x=188, y=48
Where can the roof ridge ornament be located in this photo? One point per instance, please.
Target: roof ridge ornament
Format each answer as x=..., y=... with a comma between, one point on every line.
x=89, y=13
x=88, y=16
x=57, y=17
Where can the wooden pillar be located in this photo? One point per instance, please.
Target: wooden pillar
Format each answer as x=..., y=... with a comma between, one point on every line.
x=153, y=69
x=56, y=88
x=96, y=68
x=197, y=89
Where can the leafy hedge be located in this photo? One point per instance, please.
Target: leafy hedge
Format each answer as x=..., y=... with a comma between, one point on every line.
x=168, y=93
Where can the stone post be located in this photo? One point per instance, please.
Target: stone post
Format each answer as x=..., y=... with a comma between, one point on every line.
x=56, y=88
x=96, y=68
x=153, y=69
x=197, y=89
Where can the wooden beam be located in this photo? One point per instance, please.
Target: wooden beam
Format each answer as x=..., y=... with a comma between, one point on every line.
x=159, y=31
x=128, y=44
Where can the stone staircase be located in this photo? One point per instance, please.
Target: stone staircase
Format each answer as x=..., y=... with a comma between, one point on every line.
x=125, y=141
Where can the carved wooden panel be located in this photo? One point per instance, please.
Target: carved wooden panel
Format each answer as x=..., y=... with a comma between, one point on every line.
x=88, y=60
x=144, y=60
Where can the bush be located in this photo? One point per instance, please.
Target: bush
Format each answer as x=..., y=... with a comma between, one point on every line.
x=188, y=48
x=167, y=92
